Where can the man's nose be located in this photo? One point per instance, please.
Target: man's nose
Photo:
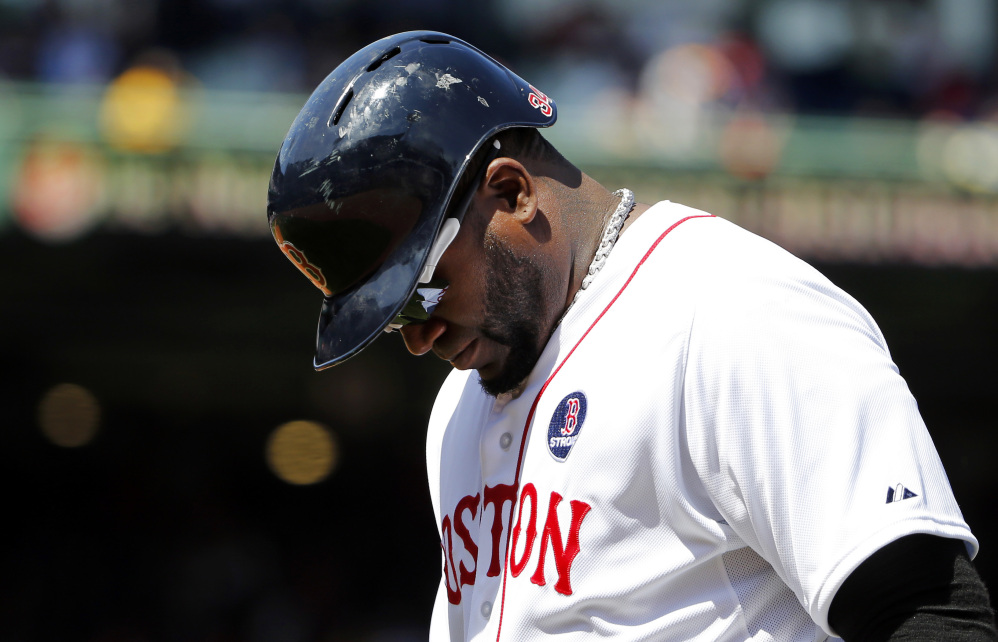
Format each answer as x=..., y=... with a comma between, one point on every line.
x=419, y=337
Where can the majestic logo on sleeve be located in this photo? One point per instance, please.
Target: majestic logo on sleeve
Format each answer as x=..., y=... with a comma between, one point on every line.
x=899, y=493
x=566, y=424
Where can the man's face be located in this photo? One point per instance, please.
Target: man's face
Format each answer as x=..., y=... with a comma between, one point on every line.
x=495, y=316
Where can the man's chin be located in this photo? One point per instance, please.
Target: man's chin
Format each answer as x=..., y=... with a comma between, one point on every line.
x=509, y=377
x=497, y=386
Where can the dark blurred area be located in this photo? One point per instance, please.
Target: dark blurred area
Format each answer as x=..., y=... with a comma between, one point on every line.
x=176, y=470
x=169, y=525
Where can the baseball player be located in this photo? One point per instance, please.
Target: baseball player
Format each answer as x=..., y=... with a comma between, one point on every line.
x=659, y=426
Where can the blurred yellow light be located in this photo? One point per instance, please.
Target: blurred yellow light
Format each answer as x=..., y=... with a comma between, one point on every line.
x=302, y=452
x=142, y=111
x=68, y=415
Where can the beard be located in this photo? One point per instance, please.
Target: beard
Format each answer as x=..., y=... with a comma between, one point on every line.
x=514, y=313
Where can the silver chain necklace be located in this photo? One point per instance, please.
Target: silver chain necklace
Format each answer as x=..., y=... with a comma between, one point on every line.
x=610, y=234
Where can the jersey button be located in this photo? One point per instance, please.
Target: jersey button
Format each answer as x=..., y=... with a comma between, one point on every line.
x=486, y=609
x=505, y=441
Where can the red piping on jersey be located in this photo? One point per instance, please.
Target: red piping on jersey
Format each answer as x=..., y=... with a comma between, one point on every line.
x=533, y=407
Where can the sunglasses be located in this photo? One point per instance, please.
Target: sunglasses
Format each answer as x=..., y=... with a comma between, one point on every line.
x=430, y=291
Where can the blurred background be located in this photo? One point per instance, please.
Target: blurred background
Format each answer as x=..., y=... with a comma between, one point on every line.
x=173, y=467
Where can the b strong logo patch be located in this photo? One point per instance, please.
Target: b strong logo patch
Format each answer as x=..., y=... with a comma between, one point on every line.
x=566, y=424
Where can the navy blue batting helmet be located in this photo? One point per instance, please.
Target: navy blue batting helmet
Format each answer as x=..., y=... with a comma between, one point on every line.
x=366, y=175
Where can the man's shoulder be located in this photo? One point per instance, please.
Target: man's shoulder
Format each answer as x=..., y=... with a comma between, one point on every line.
x=711, y=248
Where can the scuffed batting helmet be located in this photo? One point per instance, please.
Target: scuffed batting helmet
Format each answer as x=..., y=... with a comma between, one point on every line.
x=368, y=170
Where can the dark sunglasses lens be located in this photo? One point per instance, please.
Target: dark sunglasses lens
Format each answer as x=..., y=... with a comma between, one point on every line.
x=422, y=303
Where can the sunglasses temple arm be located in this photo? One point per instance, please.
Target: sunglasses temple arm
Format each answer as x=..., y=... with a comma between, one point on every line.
x=448, y=231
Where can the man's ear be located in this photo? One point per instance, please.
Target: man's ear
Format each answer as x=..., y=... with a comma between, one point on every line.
x=510, y=189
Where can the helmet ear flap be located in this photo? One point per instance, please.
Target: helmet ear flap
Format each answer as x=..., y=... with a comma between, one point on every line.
x=377, y=153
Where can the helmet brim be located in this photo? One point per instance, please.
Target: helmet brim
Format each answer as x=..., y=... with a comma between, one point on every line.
x=351, y=320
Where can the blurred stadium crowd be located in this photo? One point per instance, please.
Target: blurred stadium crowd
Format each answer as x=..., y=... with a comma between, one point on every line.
x=907, y=58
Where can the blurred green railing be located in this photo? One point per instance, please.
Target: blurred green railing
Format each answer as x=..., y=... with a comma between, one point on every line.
x=73, y=159
x=803, y=146
x=216, y=120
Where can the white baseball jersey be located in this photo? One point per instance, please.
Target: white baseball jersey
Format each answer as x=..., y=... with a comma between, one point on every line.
x=713, y=439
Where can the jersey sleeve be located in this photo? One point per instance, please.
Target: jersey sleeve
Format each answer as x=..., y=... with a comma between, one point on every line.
x=800, y=426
